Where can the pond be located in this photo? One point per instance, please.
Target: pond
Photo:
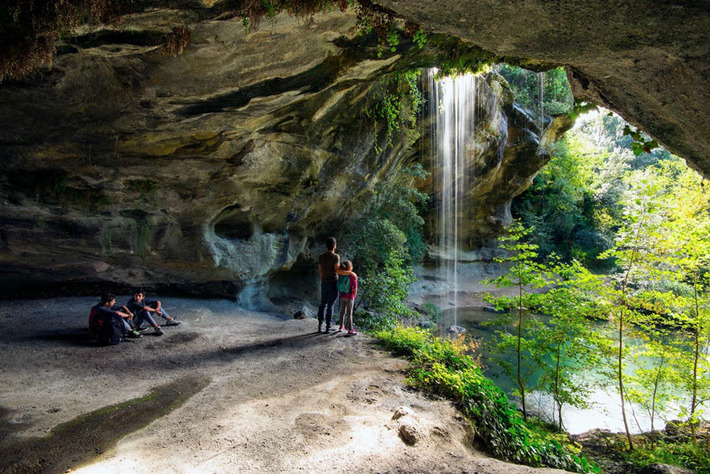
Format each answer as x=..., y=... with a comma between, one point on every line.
x=605, y=406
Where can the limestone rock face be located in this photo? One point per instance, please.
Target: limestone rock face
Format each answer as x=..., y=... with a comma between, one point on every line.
x=205, y=171
x=213, y=171
x=647, y=60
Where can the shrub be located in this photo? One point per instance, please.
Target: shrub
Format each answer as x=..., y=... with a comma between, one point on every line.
x=370, y=321
x=443, y=367
x=688, y=454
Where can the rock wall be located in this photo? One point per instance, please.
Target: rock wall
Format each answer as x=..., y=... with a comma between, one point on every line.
x=209, y=172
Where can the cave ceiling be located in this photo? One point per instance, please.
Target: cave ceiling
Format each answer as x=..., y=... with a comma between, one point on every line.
x=649, y=61
x=220, y=166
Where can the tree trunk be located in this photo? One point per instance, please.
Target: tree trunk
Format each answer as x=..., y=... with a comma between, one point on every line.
x=520, y=337
x=621, y=377
x=696, y=357
x=557, y=386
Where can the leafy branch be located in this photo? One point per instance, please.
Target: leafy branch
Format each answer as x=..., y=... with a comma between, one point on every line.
x=639, y=144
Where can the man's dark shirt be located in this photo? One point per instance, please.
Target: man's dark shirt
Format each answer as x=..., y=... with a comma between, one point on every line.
x=327, y=262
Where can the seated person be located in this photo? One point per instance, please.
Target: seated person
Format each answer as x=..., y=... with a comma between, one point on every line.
x=143, y=309
x=106, y=311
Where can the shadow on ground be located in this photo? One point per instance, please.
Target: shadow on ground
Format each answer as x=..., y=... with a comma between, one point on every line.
x=81, y=440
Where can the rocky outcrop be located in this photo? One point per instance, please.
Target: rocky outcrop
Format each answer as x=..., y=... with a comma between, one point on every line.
x=647, y=60
x=205, y=172
x=503, y=153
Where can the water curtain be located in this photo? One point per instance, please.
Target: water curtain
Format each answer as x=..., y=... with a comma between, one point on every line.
x=452, y=104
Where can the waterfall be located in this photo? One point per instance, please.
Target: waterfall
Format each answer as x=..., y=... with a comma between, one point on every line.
x=452, y=103
x=541, y=98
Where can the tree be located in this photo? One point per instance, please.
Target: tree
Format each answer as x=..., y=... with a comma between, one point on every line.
x=638, y=239
x=687, y=230
x=526, y=275
x=388, y=242
x=569, y=338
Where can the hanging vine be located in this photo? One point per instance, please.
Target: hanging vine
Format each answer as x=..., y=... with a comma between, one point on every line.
x=397, y=101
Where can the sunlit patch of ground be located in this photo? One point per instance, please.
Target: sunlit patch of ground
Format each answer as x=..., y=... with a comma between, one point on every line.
x=279, y=398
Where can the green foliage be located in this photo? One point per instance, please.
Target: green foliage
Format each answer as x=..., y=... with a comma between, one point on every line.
x=568, y=344
x=385, y=279
x=386, y=244
x=562, y=209
x=661, y=238
x=432, y=311
x=455, y=57
x=581, y=107
x=524, y=274
x=443, y=368
x=688, y=454
x=546, y=92
x=420, y=38
x=683, y=201
x=397, y=102
x=575, y=203
x=640, y=143
x=369, y=321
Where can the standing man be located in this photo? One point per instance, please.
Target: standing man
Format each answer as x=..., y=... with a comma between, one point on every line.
x=328, y=271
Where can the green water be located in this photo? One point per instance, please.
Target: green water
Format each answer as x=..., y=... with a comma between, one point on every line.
x=605, y=411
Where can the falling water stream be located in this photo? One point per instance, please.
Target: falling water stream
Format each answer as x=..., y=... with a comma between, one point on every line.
x=541, y=99
x=453, y=106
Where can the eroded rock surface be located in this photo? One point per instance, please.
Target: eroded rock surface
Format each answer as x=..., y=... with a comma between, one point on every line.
x=125, y=165
x=215, y=170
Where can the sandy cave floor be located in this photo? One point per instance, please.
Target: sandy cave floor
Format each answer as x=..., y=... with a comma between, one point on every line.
x=274, y=395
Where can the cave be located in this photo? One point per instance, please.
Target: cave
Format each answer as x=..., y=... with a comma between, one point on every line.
x=233, y=223
x=180, y=124
x=206, y=149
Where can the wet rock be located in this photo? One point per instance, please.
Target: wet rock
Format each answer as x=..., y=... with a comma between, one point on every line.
x=203, y=174
x=300, y=314
x=665, y=92
x=456, y=330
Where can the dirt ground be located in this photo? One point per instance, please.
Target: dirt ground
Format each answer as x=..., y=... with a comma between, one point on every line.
x=258, y=393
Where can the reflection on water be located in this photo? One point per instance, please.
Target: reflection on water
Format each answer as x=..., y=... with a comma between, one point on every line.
x=605, y=406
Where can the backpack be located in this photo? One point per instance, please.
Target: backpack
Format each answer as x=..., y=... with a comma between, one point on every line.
x=344, y=283
x=109, y=332
x=113, y=331
x=96, y=324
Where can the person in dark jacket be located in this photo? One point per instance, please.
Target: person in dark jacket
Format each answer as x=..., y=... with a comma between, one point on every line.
x=146, y=310
x=106, y=310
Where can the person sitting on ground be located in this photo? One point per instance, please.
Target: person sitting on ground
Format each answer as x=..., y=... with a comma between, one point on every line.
x=347, y=288
x=142, y=309
x=105, y=311
x=139, y=318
